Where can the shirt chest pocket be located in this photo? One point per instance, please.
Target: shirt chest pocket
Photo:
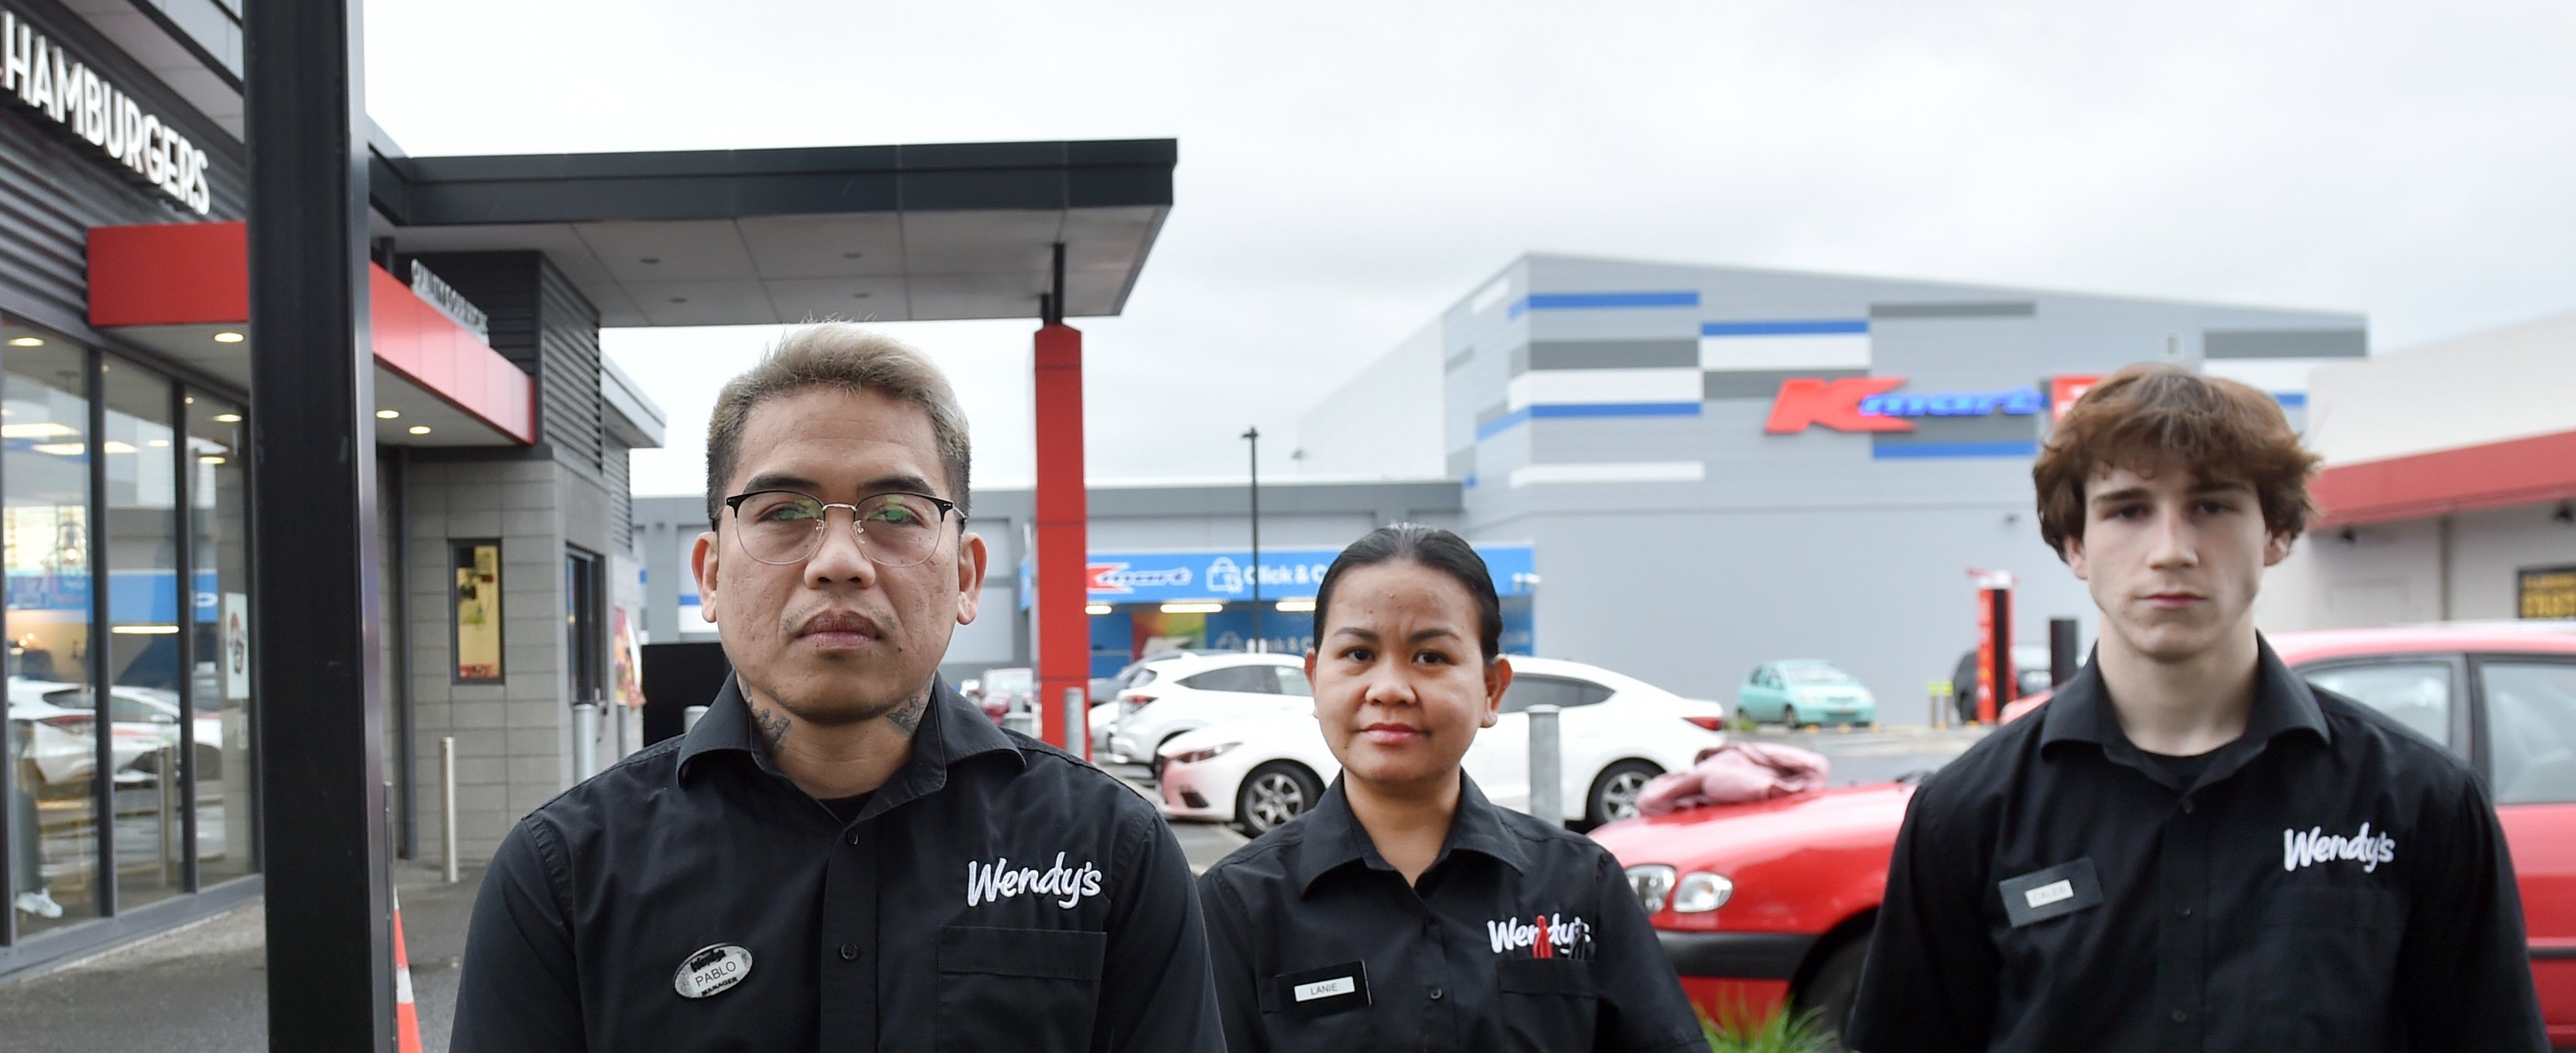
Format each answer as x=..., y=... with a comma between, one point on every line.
x=1547, y=1003
x=1018, y=989
x=2342, y=945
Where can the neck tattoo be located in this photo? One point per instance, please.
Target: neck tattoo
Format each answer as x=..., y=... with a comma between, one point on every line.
x=907, y=718
x=773, y=725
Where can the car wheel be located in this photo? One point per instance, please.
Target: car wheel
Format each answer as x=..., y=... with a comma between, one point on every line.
x=1829, y=993
x=1274, y=794
x=1614, y=794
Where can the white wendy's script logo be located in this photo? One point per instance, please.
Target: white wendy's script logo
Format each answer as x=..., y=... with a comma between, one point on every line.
x=996, y=881
x=2303, y=847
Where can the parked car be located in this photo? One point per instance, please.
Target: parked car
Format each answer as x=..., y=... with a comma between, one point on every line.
x=1197, y=691
x=1801, y=691
x=1006, y=690
x=54, y=720
x=1617, y=732
x=1107, y=688
x=1761, y=903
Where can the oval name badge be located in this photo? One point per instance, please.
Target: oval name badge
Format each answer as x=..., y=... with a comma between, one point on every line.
x=712, y=970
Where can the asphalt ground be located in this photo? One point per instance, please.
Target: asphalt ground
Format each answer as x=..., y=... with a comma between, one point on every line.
x=203, y=989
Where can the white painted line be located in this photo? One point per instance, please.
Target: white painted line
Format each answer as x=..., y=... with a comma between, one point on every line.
x=1614, y=472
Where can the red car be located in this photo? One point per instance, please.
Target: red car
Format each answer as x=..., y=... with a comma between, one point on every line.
x=1768, y=902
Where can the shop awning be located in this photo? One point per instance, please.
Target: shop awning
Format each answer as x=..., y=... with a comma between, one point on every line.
x=2525, y=471
x=753, y=237
x=183, y=289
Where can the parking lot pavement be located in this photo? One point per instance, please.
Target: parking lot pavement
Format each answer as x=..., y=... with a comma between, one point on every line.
x=1202, y=843
x=1864, y=756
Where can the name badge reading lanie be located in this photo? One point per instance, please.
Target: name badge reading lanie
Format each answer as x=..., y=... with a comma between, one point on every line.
x=712, y=970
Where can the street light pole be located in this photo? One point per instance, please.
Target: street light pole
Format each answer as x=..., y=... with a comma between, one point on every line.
x=1253, y=436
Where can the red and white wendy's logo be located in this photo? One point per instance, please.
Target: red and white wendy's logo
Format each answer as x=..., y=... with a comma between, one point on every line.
x=1545, y=936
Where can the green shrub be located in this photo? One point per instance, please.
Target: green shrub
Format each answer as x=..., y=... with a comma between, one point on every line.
x=1779, y=1031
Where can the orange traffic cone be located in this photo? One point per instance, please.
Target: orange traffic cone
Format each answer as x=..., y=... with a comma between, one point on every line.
x=406, y=1016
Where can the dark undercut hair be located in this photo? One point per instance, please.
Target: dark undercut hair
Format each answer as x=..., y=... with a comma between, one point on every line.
x=836, y=356
x=1430, y=547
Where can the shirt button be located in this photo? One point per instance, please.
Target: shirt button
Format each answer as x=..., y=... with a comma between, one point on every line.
x=849, y=952
x=854, y=839
x=2184, y=911
x=1435, y=994
x=2186, y=809
x=2179, y=1016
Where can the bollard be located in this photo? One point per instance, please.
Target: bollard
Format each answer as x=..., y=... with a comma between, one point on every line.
x=585, y=740
x=1077, y=724
x=1546, y=767
x=447, y=801
x=167, y=768
x=689, y=718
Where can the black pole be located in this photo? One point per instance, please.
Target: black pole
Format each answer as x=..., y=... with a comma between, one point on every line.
x=315, y=618
x=1253, y=436
x=2063, y=657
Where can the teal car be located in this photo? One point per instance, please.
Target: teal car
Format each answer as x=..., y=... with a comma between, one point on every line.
x=1802, y=691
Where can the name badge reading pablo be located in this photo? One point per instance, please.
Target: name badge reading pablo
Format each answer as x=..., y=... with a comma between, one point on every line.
x=712, y=970
x=2052, y=893
x=1319, y=992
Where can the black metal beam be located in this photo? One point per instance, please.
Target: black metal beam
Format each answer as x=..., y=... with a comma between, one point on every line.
x=315, y=615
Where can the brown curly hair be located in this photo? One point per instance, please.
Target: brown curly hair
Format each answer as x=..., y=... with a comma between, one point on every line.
x=2155, y=415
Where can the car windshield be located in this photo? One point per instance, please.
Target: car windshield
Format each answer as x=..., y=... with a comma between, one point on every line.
x=1813, y=673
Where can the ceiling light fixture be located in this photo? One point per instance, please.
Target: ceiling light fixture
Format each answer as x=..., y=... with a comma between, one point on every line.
x=26, y=341
x=229, y=337
x=388, y=414
x=228, y=418
x=1296, y=607
x=1193, y=608
x=420, y=429
x=1097, y=608
x=210, y=459
x=158, y=443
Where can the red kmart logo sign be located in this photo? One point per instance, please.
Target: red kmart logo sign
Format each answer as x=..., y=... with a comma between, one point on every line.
x=1872, y=404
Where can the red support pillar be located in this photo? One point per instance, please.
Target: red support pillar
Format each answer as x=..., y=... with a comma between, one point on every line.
x=1063, y=514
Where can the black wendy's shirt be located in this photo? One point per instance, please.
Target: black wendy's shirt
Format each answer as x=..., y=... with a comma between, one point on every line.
x=1520, y=936
x=2328, y=881
x=995, y=894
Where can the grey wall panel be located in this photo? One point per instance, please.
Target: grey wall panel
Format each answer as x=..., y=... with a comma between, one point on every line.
x=1692, y=602
x=1972, y=309
x=1614, y=354
x=1761, y=384
x=2286, y=343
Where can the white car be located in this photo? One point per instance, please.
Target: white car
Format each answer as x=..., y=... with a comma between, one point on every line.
x=1616, y=733
x=54, y=720
x=1199, y=691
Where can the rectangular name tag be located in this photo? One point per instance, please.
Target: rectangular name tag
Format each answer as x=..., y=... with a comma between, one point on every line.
x=2052, y=893
x=1318, y=992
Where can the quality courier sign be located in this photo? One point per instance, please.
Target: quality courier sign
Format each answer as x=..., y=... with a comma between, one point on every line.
x=1227, y=574
x=43, y=78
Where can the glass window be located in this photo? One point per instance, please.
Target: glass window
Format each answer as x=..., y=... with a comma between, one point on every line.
x=1292, y=681
x=2531, y=730
x=1561, y=692
x=477, y=567
x=142, y=638
x=220, y=694
x=53, y=749
x=2418, y=694
x=1247, y=679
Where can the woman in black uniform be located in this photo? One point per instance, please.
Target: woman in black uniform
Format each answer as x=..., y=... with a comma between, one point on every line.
x=1405, y=911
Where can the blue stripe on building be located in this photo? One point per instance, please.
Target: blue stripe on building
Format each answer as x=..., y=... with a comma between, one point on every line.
x=1801, y=328
x=1505, y=422
x=1591, y=301
x=2292, y=399
x=1911, y=450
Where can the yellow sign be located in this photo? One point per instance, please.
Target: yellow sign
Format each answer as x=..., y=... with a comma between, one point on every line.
x=2549, y=592
x=478, y=611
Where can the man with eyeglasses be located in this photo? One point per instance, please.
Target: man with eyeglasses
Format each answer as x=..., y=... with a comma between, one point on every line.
x=843, y=853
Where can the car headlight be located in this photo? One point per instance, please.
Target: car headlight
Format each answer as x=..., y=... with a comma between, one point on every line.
x=1701, y=892
x=1195, y=756
x=1652, y=882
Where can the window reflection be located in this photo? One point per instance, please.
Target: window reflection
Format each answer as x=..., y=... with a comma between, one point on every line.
x=53, y=728
x=143, y=636
x=220, y=546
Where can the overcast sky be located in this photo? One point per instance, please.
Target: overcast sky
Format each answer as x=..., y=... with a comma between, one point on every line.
x=1348, y=170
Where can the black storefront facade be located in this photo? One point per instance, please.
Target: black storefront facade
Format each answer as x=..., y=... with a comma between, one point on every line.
x=510, y=583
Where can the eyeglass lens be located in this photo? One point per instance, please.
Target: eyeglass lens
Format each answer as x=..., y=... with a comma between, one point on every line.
x=895, y=530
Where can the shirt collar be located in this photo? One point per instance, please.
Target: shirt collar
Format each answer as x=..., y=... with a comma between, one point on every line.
x=1334, y=838
x=2081, y=710
x=951, y=730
